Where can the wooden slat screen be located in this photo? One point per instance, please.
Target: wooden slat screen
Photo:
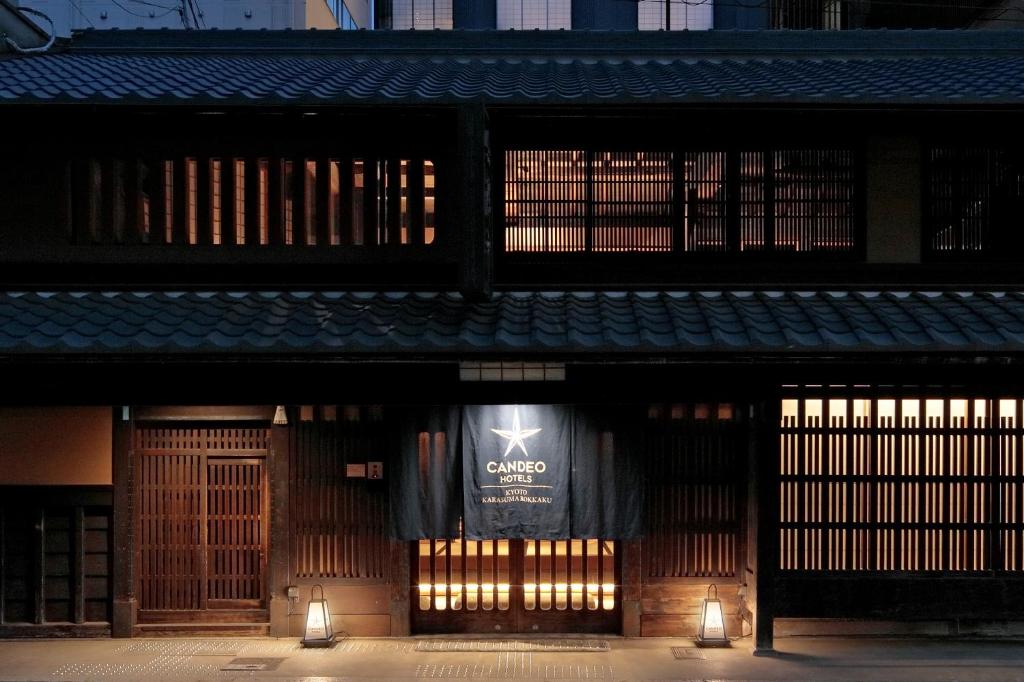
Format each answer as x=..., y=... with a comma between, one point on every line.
x=338, y=522
x=201, y=515
x=694, y=462
x=787, y=200
x=882, y=483
x=463, y=575
x=210, y=200
x=235, y=513
x=975, y=199
x=578, y=575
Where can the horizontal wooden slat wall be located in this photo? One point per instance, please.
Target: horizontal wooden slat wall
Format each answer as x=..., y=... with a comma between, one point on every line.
x=338, y=521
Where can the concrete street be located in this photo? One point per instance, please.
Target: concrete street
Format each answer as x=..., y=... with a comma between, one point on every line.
x=376, y=660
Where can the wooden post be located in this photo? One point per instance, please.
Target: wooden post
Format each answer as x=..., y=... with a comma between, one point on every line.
x=400, y=582
x=632, y=577
x=473, y=201
x=125, y=604
x=78, y=564
x=39, y=560
x=277, y=566
x=765, y=455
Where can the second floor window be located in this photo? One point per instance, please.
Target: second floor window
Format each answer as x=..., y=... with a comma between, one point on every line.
x=534, y=14
x=974, y=201
x=675, y=15
x=421, y=14
x=778, y=200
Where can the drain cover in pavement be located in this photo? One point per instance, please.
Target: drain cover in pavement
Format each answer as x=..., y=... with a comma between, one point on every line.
x=255, y=664
x=572, y=645
x=688, y=652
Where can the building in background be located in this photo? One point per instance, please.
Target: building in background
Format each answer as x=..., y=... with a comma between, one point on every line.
x=73, y=15
x=678, y=15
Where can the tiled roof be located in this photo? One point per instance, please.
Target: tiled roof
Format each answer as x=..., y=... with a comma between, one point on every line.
x=664, y=323
x=952, y=67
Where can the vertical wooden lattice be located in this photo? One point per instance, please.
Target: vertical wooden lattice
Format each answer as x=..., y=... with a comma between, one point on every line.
x=338, y=521
x=692, y=503
x=873, y=483
x=201, y=517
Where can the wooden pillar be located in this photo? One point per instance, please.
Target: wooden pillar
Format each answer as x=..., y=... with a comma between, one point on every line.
x=39, y=566
x=125, y=603
x=277, y=566
x=400, y=607
x=78, y=564
x=472, y=198
x=632, y=576
x=765, y=456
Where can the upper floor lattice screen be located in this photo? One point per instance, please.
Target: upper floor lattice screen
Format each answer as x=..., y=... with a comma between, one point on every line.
x=780, y=200
x=250, y=201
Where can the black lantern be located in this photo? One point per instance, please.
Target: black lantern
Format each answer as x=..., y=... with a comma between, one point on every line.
x=712, y=621
x=318, y=632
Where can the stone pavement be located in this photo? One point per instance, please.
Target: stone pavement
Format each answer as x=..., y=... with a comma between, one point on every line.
x=381, y=660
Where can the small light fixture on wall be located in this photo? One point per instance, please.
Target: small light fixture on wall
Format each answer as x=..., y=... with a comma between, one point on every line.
x=318, y=632
x=712, y=621
x=280, y=416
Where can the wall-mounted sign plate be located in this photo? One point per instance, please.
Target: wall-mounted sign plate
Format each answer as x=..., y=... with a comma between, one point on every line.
x=355, y=470
x=375, y=470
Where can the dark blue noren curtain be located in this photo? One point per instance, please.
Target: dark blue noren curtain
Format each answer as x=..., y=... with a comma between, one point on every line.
x=426, y=474
x=516, y=471
x=607, y=473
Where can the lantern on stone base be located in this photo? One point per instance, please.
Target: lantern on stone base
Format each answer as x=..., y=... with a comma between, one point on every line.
x=712, y=621
x=318, y=632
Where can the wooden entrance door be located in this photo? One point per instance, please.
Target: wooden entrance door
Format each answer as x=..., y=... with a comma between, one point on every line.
x=480, y=586
x=201, y=524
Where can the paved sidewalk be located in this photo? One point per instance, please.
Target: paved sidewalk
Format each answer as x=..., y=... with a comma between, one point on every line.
x=377, y=660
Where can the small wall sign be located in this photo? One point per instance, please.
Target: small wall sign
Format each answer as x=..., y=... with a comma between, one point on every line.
x=355, y=470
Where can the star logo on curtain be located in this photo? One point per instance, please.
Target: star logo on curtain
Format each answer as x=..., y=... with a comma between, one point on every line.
x=517, y=435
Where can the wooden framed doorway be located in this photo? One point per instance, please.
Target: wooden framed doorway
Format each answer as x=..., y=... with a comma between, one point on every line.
x=516, y=586
x=201, y=523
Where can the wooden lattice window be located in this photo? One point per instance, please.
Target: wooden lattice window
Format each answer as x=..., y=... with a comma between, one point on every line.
x=872, y=483
x=254, y=200
x=780, y=201
x=974, y=201
x=337, y=514
x=693, y=498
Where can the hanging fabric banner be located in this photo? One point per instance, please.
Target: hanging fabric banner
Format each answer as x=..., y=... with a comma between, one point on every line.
x=426, y=474
x=607, y=476
x=516, y=461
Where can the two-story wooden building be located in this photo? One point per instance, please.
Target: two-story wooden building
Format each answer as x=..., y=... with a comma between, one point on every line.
x=513, y=332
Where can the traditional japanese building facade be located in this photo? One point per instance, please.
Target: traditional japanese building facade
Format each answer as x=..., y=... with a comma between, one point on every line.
x=513, y=332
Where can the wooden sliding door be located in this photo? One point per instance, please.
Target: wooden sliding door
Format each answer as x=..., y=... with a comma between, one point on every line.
x=201, y=523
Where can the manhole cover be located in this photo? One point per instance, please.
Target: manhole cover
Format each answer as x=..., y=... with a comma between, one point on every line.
x=255, y=664
x=688, y=652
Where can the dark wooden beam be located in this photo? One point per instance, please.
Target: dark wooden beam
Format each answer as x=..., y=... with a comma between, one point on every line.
x=275, y=200
x=299, y=189
x=278, y=575
x=155, y=187
x=228, y=193
x=415, y=201
x=204, y=200
x=39, y=565
x=78, y=564
x=125, y=605
x=766, y=463
x=323, y=202
x=204, y=413
x=632, y=577
x=472, y=214
x=253, y=204
x=400, y=575
x=179, y=233
x=393, y=197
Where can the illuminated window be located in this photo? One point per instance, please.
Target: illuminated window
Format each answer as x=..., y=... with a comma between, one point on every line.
x=534, y=14
x=676, y=15
x=897, y=483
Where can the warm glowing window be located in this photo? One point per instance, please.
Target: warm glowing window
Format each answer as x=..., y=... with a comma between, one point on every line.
x=259, y=201
x=901, y=484
x=675, y=15
x=975, y=200
x=789, y=201
x=534, y=14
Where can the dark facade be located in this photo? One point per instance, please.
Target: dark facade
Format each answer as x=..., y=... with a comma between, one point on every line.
x=775, y=277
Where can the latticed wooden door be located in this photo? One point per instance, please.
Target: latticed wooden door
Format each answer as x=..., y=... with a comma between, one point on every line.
x=201, y=520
